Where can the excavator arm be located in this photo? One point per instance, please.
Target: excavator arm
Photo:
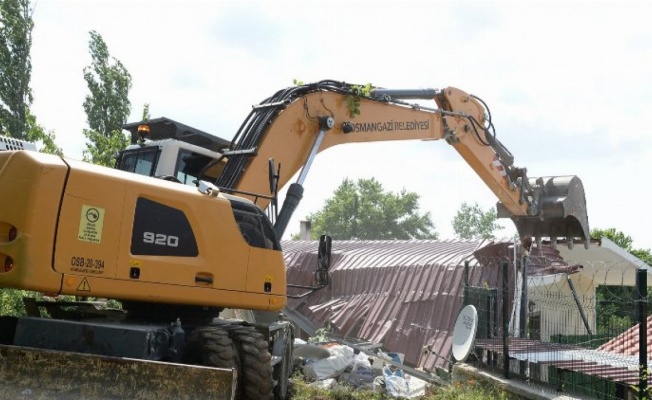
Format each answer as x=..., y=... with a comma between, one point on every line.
x=297, y=123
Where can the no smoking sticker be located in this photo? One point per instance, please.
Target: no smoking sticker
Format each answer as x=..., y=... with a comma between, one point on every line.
x=90, y=224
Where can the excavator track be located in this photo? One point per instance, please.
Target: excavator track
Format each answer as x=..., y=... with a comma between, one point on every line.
x=235, y=346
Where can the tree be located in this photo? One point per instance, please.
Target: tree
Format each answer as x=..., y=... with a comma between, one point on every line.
x=363, y=210
x=107, y=106
x=471, y=222
x=36, y=133
x=15, y=66
x=16, y=120
x=146, y=115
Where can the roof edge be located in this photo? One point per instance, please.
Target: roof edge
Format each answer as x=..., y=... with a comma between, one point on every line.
x=610, y=245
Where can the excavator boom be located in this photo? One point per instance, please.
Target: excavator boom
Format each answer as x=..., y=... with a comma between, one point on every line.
x=295, y=124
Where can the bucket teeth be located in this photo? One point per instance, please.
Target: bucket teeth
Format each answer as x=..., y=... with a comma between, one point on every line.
x=560, y=211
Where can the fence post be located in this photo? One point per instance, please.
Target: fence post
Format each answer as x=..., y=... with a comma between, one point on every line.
x=641, y=285
x=505, y=301
x=523, y=314
x=524, y=298
x=466, y=283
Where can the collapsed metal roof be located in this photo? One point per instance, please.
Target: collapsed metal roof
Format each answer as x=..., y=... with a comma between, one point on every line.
x=404, y=295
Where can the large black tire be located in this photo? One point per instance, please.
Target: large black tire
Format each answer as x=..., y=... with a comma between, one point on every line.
x=255, y=381
x=282, y=372
x=211, y=346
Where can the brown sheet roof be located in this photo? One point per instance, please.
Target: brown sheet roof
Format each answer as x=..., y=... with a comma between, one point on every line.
x=403, y=294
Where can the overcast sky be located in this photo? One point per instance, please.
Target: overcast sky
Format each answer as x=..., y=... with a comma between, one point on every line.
x=569, y=84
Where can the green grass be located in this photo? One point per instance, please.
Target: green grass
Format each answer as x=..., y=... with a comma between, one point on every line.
x=470, y=390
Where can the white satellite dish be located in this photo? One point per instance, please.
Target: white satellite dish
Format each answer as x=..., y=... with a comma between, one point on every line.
x=464, y=332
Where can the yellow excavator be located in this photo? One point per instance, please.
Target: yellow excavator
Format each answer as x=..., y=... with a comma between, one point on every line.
x=178, y=233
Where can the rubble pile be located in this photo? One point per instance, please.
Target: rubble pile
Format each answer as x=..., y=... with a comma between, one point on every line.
x=329, y=365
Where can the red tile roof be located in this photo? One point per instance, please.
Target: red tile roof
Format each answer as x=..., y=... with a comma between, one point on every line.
x=627, y=342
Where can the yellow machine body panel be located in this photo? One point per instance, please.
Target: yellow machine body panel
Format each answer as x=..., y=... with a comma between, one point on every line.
x=32, y=186
x=124, y=236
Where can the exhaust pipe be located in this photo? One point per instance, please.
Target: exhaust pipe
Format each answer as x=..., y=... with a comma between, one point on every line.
x=557, y=210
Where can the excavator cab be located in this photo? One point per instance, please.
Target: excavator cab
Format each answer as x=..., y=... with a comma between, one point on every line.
x=168, y=149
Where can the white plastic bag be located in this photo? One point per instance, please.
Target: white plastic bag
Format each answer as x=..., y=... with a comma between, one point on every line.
x=341, y=357
x=325, y=384
x=362, y=373
x=395, y=383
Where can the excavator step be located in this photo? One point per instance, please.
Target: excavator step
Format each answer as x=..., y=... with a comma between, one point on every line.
x=55, y=374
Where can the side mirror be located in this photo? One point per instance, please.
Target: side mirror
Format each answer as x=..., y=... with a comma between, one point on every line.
x=324, y=254
x=322, y=276
x=323, y=260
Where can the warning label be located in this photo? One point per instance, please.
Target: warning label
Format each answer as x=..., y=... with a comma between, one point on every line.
x=90, y=224
x=84, y=286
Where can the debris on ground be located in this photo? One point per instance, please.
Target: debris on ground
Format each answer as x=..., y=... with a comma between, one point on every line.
x=329, y=365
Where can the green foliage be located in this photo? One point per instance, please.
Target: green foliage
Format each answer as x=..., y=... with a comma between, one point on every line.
x=15, y=66
x=459, y=390
x=644, y=374
x=644, y=255
x=353, y=99
x=113, y=304
x=296, y=82
x=102, y=150
x=302, y=390
x=107, y=106
x=363, y=210
x=469, y=390
x=16, y=26
x=615, y=309
x=321, y=335
x=618, y=237
x=146, y=115
x=471, y=222
x=11, y=302
x=36, y=133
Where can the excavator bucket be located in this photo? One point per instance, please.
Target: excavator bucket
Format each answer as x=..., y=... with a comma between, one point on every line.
x=66, y=375
x=561, y=206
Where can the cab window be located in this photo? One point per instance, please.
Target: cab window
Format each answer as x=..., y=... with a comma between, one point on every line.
x=189, y=165
x=140, y=161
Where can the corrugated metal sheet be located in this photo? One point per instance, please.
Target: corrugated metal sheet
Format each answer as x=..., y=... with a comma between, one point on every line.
x=403, y=294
